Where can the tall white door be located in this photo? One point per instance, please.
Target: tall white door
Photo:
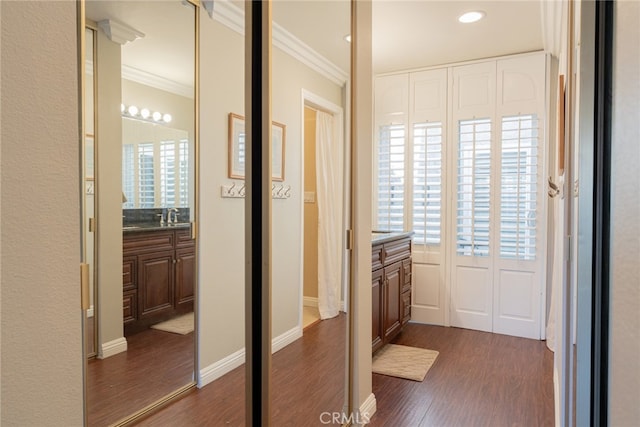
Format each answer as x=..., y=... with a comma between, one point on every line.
x=520, y=198
x=472, y=214
x=498, y=209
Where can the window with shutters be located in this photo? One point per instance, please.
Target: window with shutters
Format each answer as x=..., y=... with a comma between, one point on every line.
x=390, y=179
x=156, y=174
x=518, y=187
x=427, y=182
x=473, y=192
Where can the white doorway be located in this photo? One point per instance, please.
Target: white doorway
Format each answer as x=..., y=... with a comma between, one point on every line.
x=313, y=300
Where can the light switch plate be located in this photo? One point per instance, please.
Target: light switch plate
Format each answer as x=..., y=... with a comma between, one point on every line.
x=309, y=196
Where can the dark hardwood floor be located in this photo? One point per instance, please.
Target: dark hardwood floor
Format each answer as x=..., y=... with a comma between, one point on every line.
x=479, y=379
x=307, y=379
x=155, y=364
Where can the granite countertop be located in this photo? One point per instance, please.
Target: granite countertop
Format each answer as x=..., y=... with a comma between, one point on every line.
x=146, y=226
x=388, y=236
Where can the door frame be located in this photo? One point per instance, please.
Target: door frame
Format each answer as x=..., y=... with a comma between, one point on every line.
x=311, y=100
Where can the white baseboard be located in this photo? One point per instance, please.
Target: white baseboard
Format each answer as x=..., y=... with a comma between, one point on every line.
x=310, y=301
x=313, y=302
x=367, y=409
x=283, y=340
x=112, y=348
x=229, y=363
x=220, y=368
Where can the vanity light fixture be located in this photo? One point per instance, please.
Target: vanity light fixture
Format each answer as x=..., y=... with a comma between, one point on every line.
x=473, y=16
x=348, y=38
x=144, y=114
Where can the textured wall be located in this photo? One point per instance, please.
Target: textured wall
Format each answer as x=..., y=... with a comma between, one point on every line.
x=625, y=222
x=41, y=373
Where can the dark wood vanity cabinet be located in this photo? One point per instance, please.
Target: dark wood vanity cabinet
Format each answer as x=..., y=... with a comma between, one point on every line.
x=158, y=276
x=391, y=289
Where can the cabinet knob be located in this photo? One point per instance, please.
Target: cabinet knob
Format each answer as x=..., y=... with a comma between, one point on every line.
x=174, y=261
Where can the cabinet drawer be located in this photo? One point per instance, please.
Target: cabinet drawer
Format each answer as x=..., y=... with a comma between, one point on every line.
x=183, y=238
x=376, y=257
x=129, y=277
x=129, y=306
x=149, y=241
x=406, y=275
x=396, y=251
x=406, y=307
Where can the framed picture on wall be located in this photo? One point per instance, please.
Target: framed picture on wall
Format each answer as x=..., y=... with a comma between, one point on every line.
x=237, y=148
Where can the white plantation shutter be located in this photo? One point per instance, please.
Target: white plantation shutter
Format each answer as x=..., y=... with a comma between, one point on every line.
x=390, y=208
x=518, y=187
x=156, y=174
x=128, y=176
x=427, y=182
x=183, y=174
x=146, y=176
x=474, y=172
x=168, y=173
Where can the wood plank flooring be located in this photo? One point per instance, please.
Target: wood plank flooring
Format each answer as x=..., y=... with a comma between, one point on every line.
x=307, y=379
x=479, y=379
x=155, y=364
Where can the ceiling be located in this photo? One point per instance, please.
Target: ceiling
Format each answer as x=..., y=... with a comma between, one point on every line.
x=406, y=34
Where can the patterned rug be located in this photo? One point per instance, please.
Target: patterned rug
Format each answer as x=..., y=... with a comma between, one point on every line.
x=404, y=362
x=178, y=325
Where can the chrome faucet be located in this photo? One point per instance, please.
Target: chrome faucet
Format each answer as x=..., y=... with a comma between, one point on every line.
x=175, y=216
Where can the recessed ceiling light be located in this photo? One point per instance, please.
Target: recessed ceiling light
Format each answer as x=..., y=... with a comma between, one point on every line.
x=469, y=17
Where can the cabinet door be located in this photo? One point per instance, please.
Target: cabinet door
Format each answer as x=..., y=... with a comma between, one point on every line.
x=376, y=309
x=185, y=278
x=155, y=283
x=392, y=301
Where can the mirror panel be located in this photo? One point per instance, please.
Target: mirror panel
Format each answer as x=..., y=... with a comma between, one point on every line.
x=309, y=256
x=145, y=157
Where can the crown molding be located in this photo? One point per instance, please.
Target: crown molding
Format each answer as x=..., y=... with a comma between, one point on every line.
x=233, y=18
x=118, y=32
x=155, y=81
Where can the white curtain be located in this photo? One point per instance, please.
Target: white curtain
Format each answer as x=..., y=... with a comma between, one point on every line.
x=329, y=199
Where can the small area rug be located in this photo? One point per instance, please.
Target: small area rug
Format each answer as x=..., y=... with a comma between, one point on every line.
x=178, y=325
x=404, y=362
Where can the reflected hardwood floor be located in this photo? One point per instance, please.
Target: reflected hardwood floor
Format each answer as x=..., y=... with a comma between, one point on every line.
x=478, y=379
x=307, y=379
x=155, y=364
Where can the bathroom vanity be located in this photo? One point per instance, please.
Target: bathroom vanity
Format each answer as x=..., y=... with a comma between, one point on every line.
x=158, y=274
x=391, y=285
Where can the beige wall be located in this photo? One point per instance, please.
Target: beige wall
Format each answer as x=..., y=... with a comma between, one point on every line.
x=625, y=213
x=109, y=192
x=310, y=208
x=41, y=377
x=221, y=247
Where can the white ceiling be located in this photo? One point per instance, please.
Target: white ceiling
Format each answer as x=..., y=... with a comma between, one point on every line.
x=406, y=34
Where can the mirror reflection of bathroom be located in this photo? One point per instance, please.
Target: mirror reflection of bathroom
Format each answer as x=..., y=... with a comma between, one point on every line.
x=140, y=88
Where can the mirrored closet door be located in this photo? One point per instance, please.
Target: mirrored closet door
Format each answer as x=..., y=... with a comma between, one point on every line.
x=140, y=204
